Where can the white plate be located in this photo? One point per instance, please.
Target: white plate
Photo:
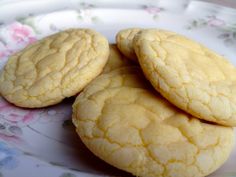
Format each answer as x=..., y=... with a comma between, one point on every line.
x=42, y=142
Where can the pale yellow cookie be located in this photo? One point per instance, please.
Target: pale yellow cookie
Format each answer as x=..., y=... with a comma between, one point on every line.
x=124, y=40
x=189, y=75
x=54, y=68
x=122, y=120
x=116, y=60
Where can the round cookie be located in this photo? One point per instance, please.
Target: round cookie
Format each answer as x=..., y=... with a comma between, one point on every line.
x=54, y=68
x=123, y=121
x=124, y=40
x=115, y=60
x=189, y=75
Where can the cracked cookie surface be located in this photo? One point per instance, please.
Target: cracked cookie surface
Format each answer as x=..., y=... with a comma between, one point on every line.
x=124, y=40
x=116, y=60
x=189, y=75
x=54, y=68
x=125, y=122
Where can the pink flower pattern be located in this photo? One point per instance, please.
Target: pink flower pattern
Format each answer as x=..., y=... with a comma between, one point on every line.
x=209, y=21
x=13, y=138
x=16, y=116
x=21, y=33
x=215, y=22
x=153, y=10
x=12, y=119
x=15, y=37
x=227, y=33
x=2, y=54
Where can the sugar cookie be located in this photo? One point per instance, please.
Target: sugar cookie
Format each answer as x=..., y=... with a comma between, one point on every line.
x=116, y=60
x=54, y=68
x=189, y=75
x=124, y=122
x=124, y=40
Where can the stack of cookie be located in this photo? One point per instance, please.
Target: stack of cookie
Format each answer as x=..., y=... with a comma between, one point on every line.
x=164, y=107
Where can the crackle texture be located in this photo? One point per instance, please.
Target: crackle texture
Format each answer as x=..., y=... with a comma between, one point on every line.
x=189, y=75
x=53, y=68
x=122, y=120
x=116, y=60
x=124, y=40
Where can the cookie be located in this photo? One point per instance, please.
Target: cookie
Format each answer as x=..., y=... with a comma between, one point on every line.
x=122, y=120
x=116, y=60
x=54, y=68
x=124, y=40
x=189, y=75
